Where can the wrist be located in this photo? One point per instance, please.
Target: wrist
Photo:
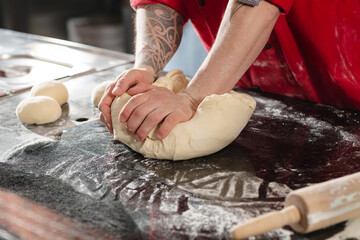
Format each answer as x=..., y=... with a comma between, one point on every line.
x=189, y=99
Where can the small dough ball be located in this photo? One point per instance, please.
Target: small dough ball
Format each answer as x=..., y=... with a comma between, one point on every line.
x=99, y=91
x=38, y=110
x=53, y=89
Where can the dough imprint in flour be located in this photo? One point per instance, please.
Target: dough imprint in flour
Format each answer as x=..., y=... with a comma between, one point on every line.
x=217, y=122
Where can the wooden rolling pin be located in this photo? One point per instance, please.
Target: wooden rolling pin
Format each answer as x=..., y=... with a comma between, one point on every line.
x=310, y=208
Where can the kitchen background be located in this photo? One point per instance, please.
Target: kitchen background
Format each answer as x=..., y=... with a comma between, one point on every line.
x=102, y=23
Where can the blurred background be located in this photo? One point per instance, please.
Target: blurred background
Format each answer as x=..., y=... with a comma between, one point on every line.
x=101, y=23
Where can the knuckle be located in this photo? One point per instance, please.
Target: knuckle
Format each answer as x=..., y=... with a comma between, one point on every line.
x=125, y=112
x=124, y=74
x=170, y=119
x=154, y=118
x=138, y=113
x=124, y=115
x=130, y=74
x=123, y=81
x=181, y=110
x=136, y=99
x=101, y=107
x=110, y=85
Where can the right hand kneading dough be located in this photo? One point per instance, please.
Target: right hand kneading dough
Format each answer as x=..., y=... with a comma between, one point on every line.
x=217, y=122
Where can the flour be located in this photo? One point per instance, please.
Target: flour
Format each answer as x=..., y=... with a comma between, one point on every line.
x=316, y=217
x=318, y=127
x=224, y=219
x=351, y=231
x=344, y=199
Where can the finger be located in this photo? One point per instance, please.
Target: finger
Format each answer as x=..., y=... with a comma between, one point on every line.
x=105, y=106
x=105, y=123
x=138, y=116
x=105, y=110
x=138, y=88
x=103, y=120
x=131, y=105
x=169, y=123
x=150, y=122
x=123, y=83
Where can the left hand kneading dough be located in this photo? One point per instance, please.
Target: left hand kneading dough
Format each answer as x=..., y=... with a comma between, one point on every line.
x=217, y=122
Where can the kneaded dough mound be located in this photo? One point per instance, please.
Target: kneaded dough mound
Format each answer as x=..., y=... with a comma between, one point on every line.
x=98, y=92
x=217, y=122
x=53, y=89
x=38, y=110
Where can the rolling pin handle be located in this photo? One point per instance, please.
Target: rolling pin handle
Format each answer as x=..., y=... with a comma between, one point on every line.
x=267, y=222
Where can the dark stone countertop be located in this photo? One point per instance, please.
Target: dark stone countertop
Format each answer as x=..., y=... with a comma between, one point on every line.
x=82, y=173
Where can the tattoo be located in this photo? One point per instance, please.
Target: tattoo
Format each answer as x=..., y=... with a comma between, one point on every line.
x=160, y=38
x=237, y=6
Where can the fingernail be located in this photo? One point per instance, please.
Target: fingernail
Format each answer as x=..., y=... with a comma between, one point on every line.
x=158, y=136
x=137, y=138
x=116, y=89
x=128, y=131
x=122, y=119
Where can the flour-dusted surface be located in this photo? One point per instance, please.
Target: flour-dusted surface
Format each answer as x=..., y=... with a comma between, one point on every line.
x=183, y=200
x=351, y=231
x=86, y=175
x=300, y=143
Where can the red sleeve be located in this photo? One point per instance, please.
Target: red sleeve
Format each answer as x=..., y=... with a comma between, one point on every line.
x=284, y=5
x=174, y=4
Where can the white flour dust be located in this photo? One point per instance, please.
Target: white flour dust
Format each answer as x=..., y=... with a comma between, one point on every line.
x=274, y=109
x=351, y=231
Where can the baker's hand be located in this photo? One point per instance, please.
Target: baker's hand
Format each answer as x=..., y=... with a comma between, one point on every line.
x=146, y=110
x=132, y=81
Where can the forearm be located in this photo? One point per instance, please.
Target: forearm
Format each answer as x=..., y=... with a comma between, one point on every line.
x=241, y=37
x=158, y=35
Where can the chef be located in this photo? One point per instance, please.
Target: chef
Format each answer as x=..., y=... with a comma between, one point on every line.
x=299, y=48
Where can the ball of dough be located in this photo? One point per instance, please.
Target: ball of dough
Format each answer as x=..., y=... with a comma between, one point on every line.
x=53, y=89
x=218, y=120
x=99, y=91
x=38, y=110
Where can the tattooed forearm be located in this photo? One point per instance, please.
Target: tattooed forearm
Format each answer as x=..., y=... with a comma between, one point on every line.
x=236, y=7
x=159, y=31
